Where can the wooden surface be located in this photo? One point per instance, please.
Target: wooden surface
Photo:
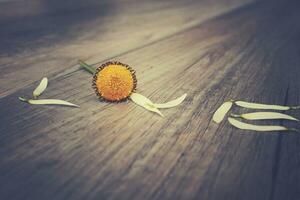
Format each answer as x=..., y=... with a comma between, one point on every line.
x=213, y=50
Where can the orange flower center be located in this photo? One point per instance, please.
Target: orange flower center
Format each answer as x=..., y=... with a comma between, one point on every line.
x=115, y=82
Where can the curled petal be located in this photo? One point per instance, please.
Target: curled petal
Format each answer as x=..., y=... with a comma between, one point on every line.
x=172, y=103
x=222, y=111
x=40, y=88
x=144, y=102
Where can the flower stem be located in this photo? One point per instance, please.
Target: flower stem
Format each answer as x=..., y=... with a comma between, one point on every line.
x=86, y=67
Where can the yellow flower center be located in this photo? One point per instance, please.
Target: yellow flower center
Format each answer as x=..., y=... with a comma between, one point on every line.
x=114, y=81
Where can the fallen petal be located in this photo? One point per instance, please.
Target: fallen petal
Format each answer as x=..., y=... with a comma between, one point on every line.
x=40, y=88
x=172, y=103
x=222, y=111
x=144, y=102
x=252, y=127
x=250, y=105
x=264, y=115
x=51, y=102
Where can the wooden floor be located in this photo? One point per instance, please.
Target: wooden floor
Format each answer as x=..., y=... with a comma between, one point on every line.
x=213, y=50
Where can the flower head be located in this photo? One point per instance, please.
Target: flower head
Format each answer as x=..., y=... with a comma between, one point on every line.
x=114, y=81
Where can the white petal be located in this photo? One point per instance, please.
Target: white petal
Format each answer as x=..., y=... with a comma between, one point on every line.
x=222, y=111
x=261, y=106
x=264, y=115
x=245, y=126
x=144, y=102
x=51, y=102
x=172, y=103
x=41, y=87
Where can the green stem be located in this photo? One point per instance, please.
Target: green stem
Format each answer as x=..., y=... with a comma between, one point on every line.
x=86, y=67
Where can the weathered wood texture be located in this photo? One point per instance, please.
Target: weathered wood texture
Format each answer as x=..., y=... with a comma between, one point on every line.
x=42, y=37
x=121, y=151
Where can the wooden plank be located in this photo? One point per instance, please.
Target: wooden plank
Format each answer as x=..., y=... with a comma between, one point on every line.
x=120, y=151
x=41, y=38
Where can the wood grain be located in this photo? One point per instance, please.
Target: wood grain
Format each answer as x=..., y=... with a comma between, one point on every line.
x=43, y=37
x=121, y=151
